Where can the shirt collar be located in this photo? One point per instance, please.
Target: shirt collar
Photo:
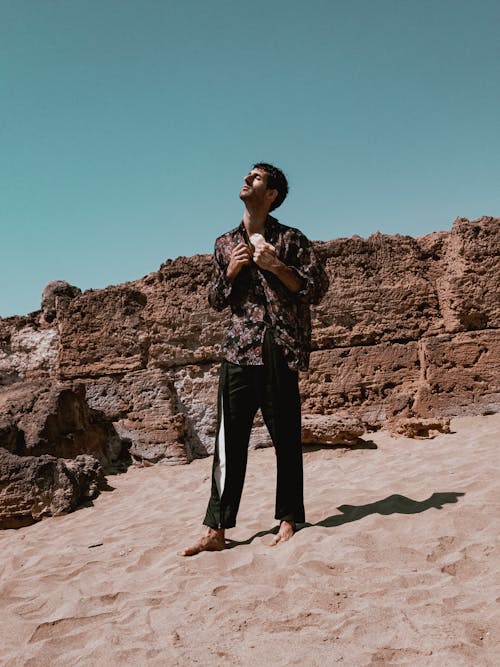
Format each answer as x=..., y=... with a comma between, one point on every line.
x=270, y=228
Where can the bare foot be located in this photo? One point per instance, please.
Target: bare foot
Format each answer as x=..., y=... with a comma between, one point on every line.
x=212, y=540
x=286, y=531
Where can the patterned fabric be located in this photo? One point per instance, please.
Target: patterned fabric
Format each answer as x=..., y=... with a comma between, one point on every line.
x=260, y=301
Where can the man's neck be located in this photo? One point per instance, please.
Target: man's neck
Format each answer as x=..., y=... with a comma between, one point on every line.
x=255, y=220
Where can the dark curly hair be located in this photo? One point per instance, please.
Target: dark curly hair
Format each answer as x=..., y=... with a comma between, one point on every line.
x=276, y=180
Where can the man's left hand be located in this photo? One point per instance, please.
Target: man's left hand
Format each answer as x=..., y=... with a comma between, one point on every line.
x=265, y=257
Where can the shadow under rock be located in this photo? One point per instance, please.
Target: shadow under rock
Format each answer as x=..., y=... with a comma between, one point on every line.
x=358, y=444
x=394, y=504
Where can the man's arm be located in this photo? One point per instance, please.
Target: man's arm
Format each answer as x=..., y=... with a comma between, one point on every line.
x=265, y=257
x=304, y=275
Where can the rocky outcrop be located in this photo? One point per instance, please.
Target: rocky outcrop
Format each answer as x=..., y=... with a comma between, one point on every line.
x=57, y=294
x=54, y=450
x=407, y=331
x=417, y=427
x=335, y=429
x=32, y=487
x=56, y=419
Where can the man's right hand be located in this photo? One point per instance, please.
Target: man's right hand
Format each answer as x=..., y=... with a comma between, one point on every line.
x=240, y=257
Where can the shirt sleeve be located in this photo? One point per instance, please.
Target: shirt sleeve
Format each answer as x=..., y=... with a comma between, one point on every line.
x=310, y=270
x=219, y=287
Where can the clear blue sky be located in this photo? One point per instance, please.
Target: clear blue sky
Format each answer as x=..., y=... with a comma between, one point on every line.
x=126, y=126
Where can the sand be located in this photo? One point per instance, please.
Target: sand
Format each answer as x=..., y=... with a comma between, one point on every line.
x=400, y=568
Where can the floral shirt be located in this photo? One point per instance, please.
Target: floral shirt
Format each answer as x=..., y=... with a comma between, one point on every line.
x=260, y=301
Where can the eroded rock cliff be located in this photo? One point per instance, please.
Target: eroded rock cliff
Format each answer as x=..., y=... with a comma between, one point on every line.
x=408, y=331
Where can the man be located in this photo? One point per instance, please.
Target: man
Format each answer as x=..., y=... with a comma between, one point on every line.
x=268, y=274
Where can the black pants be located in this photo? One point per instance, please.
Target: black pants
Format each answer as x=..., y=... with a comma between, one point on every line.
x=242, y=390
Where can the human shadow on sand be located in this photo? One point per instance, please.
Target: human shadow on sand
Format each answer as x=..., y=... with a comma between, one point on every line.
x=394, y=504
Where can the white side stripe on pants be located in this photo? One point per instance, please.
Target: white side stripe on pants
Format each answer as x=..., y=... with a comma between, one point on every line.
x=220, y=471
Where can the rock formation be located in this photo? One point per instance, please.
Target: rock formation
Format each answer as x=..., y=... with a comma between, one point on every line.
x=32, y=487
x=407, y=336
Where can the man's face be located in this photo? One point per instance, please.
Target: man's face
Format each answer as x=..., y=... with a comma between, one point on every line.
x=254, y=189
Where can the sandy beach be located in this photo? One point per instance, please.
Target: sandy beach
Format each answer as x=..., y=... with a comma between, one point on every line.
x=398, y=565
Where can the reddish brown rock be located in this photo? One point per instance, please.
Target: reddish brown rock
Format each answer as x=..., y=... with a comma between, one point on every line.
x=145, y=411
x=374, y=382
x=467, y=283
x=32, y=487
x=380, y=290
x=417, y=427
x=36, y=419
x=183, y=329
x=408, y=330
x=462, y=374
x=55, y=296
x=102, y=332
x=337, y=429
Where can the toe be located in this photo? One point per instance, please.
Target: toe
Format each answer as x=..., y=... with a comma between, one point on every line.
x=187, y=552
x=276, y=540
